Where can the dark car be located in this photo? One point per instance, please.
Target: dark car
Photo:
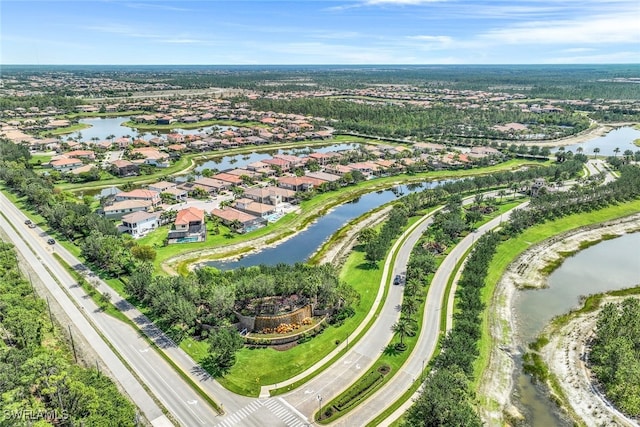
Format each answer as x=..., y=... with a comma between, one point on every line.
x=51, y=241
x=399, y=279
x=27, y=221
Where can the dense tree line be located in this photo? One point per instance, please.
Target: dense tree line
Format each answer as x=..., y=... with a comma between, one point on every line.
x=443, y=406
x=446, y=399
x=615, y=354
x=202, y=304
x=536, y=81
x=551, y=205
x=393, y=120
x=38, y=381
x=41, y=101
x=377, y=245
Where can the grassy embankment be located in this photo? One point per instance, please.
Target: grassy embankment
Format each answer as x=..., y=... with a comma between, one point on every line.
x=310, y=211
x=509, y=250
x=189, y=161
x=396, y=359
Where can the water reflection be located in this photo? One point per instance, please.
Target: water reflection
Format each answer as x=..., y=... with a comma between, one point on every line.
x=609, y=265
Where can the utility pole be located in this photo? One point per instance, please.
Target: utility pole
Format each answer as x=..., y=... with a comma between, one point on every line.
x=73, y=346
x=50, y=315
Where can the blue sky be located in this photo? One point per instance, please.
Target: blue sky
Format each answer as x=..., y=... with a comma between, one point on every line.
x=319, y=32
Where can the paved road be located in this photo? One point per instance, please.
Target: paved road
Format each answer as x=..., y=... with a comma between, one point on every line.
x=186, y=406
x=81, y=325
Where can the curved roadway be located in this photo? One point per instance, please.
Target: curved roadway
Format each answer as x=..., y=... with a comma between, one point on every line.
x=294, y=409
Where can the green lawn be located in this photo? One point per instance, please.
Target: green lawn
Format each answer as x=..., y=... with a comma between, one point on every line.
x=38, y=159
x=396, y=359
x=319, y=205
x=264, y=366
x=65, y=130
x=510, y=249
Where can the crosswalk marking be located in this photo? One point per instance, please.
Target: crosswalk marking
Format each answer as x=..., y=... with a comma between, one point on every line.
x=289, y=417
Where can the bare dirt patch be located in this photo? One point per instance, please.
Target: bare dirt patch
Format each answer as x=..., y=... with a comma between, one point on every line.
x=496, y=383
x=565, y=356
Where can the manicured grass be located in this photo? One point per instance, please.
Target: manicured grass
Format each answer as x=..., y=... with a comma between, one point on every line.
x=189, y=161
x=322, y=203
x=396, y=360
x=37, y=159
x=270, y=366
x=509, y=251
x=67, y=129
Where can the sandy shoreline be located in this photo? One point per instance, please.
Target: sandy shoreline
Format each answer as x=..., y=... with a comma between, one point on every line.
x=496, y=384
x=595, y=132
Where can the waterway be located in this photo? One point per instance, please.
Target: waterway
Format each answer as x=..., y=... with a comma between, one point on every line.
x=102, y=127
x=621, y=138
x=301, y=246
x=609, y=265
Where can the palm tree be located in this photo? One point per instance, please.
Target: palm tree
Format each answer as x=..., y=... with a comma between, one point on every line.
x=409, y=308
x=579, y=150
x=403, y=328
x=236, y=225
x=502, y=193
x=616, y=150
x=514, y=188
x=595, y=152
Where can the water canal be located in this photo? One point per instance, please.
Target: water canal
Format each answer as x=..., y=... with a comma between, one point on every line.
x=609, y=265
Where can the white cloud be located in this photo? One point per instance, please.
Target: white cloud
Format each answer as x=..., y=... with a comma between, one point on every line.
x=434, y=39
x=619, y=28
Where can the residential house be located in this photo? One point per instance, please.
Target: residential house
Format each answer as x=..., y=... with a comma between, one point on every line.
x=118, y=209
x=270, y=195
x=162, y=186
x=151, y=156
x=123, y=142
x=139, y=223
x=282, y=164
x=324, y=176
x=254, y=208
x=176, y=193
x=337, y=169
x=189, y=226
x=81, y=154
x=65, y=164
x=298, y=183
x=231, y=179
x=241, y=221
x=210, y=185
x=175, y=138
x=124, y=168
x=147, y=195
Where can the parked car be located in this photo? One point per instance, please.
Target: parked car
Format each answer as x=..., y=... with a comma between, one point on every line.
x=32, y=225
x=27, y=222
x=399, y=279
x=51, y=241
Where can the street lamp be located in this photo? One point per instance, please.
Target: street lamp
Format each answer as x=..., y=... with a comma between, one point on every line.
x=319, y=406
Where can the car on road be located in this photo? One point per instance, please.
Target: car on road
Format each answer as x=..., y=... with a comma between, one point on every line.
x=32, y=225
x=51, y=241
x=28, y=222
x=399, y=279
